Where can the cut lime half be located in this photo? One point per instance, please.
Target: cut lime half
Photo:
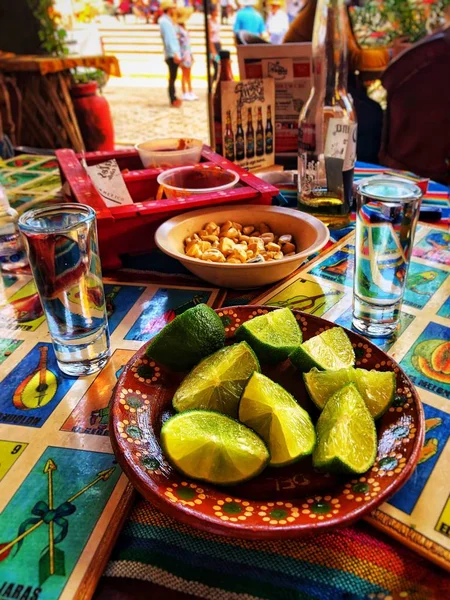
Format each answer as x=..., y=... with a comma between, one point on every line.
x=376, y=387
x=331, y=350
x=275, y=415
x=218, y=381
x=272, y=336
x=212, y=447
x=346, y=434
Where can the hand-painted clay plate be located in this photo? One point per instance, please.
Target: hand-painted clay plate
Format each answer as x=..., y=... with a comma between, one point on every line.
x=280, y=503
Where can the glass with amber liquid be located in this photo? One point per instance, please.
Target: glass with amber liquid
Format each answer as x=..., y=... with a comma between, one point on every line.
x=327, y=124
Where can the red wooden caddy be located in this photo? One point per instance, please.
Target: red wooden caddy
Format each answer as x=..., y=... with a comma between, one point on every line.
x=130, y=228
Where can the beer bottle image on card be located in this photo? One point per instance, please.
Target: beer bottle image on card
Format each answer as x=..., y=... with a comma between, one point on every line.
x=240, y=137
x=259, y=134
x=229, y=138
x=250, y=135
x=269, y=131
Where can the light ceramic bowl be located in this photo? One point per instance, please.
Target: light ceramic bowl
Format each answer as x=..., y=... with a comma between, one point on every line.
x=164, y=153
x=194, y=180
x=309, y=233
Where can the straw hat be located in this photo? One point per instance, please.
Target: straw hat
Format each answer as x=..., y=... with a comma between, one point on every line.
x=166, y=4
x=275, y=2
x=183, y=14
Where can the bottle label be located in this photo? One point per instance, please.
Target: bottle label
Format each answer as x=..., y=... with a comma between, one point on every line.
x=240, y=146
x=337, y=138
x=341, y=142
x=259, y=142
x=350, y=154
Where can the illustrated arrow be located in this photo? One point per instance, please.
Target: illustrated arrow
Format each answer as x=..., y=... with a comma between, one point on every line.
x=49, y=468
x=101, y=476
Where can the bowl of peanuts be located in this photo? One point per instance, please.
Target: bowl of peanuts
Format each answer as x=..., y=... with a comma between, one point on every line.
x=242, y=247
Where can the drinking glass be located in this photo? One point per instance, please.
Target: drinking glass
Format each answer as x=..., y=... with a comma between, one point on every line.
x=62, y=248
x=386, y=217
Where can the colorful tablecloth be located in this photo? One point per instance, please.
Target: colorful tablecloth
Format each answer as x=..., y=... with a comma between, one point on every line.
x=155, y=554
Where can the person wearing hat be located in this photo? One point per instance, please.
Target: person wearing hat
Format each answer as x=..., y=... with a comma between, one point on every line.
x=183, y=14
x=277, y=22
x=172, y=50
x=249, y=19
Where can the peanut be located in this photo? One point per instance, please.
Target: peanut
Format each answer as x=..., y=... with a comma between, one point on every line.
x=214, y=255
x=288, y=248
x=235, y=243
x=284, y=239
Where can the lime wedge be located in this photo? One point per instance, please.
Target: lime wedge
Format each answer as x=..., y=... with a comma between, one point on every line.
x=274, y=414
x=346, y=434
x=331, y=350
x=376, y=387
x=218, y=381
x=272, y=336
x=213, y=447
x=187, y=339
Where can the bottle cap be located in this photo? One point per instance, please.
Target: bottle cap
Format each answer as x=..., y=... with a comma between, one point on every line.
x=224, y=54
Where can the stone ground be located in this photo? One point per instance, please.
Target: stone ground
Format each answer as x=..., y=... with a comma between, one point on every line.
x=143, y=112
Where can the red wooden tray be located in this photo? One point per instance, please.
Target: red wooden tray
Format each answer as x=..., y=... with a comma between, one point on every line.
x=130, y=228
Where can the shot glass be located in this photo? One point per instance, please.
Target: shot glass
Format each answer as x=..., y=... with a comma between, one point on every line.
x=387, y=211
x=61, y=242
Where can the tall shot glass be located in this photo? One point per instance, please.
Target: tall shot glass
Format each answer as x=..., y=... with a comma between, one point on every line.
x=62, y=248
x=386, y=217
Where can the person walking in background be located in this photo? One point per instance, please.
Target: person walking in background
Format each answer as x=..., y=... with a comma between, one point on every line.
x=172, y=51
x=187, y=59
x=224, y=11
x=249, y=19
x=214, y=38
x=277, y=22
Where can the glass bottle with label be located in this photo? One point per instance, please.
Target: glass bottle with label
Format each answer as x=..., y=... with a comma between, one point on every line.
x=225, y=74
x=269, y=131
x=259, y=134
x=327, y=123
x=240, y=137
x=250, y=135
x=229, y=138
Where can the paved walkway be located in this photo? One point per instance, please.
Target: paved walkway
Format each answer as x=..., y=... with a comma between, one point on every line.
x=139, y=100
x=142, y=112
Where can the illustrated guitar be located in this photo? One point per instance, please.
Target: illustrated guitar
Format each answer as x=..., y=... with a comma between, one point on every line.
x=38, y=388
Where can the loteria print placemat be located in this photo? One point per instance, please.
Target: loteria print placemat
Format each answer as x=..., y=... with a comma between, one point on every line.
x=63, y=498
x=419, y=514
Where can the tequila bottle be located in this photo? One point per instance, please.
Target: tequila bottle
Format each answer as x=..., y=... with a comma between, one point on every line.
x=327, y=123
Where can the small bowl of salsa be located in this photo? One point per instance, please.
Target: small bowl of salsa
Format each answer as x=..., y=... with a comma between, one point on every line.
x=200, y=179
x=170, y=152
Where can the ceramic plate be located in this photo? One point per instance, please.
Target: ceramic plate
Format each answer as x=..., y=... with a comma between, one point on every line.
x=280, y=503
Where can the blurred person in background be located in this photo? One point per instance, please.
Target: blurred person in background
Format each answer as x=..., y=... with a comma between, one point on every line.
x=214, y=38
x=172, y=51
x=187, y=59
x=293, y=7
x=224, y=11
x=249, y=19
x=141, y=9
x=277, y=22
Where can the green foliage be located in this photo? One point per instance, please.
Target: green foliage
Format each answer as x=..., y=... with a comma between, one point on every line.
x=51, y=35
x=380, y=22
x=86, y=75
